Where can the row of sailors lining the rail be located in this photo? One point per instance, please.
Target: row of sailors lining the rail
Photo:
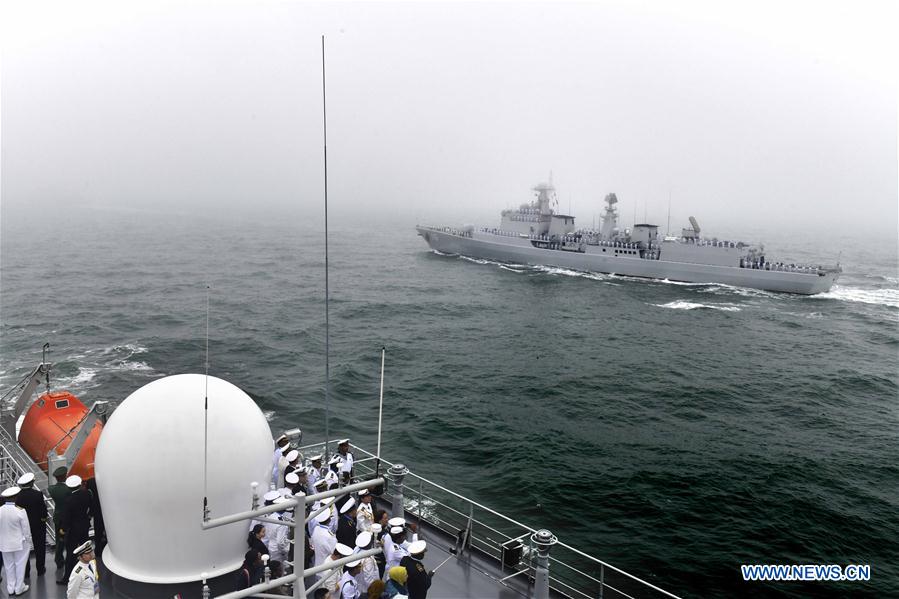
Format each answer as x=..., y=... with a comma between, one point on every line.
x=713, y=243
x=760, y=264
x=451, y=231
x=499, y=232
x=343, y=526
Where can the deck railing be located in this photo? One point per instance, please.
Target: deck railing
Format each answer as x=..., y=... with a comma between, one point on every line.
x=573, y=573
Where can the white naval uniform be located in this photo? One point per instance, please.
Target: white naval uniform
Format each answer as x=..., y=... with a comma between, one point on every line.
x=312, y=476
x=367, y=575
x=364, y=517
x=323, y=542
x=331, y=577
x=277, y=541
x=84, y=583
x=282, y=465
x=15, y=544
x=394, y=552
x=348, y=588
x=275, y=458
x=347, y=465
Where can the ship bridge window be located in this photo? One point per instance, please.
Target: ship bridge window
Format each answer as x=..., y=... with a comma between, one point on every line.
x=62, y=403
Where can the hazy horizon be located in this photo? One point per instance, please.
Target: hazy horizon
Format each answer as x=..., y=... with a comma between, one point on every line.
x=770, y=115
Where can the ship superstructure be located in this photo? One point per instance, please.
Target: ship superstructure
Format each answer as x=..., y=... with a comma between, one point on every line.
x=534, y=234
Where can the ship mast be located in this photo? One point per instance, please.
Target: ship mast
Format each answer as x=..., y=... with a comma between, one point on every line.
x=327, y=294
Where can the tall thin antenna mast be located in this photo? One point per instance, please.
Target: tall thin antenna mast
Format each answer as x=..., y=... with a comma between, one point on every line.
x=327, y=290
x=381, y=403
x=668, y=232
x=206, y=416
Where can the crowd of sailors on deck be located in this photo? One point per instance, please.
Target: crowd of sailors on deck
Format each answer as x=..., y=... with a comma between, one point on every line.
x=451, y=231
x=760, y=264
x=338, y=528
x=77, y=520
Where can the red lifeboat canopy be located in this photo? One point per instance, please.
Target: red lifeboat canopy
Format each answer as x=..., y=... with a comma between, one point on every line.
x=50, y=422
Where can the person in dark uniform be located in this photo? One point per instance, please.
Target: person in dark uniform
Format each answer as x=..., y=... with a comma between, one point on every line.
x=33, y=501
x=419, y=580
x=75, y=522
x=346, y=526
x=59, y=493
x=97, y=515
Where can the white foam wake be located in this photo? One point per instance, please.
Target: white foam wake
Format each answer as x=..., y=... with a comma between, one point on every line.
x=881, y=297
x=685, y=305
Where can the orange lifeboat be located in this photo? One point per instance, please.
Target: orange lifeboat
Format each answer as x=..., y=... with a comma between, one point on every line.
x=52, y=421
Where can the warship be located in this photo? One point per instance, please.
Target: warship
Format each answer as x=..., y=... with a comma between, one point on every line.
x=534, y=234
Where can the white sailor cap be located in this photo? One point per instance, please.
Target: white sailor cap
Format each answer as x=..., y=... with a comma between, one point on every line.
x=350, y=504
x=292, y=478
x=342, y=442
x=363, y=540
x=354, y=564
x=324, y=516
x=397, y=530
x=376, y=528
x=416, y=547
x=363, y=493
x=398, y=521
x=293, y=455
x=343, y=550
x=84, y=548
x=271, y=496
x=327, y=501
x=10, y=492
x=73, y=482
x=335, y=459
x=320, y=482
x=315, y=458
x=26, y=479
x=279, y=499
x=283, y=437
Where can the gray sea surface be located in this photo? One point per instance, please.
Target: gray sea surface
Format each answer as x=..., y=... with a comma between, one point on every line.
x=673, y=430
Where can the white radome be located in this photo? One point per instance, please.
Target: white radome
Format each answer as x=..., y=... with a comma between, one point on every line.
x=149, y=471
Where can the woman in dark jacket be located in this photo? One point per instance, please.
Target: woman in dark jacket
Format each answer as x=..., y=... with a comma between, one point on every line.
x=252, y=562
x=254, y=539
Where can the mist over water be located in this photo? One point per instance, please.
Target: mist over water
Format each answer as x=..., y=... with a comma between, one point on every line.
x=673, y=430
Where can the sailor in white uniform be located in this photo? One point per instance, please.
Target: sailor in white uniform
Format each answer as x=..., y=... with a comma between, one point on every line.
x=346, y=457
x=291, y=456
x=15, y=541
x=322, y=539
x=314, y=472
x=369, y=571
x=396, y=546
x=332, y=576
x=348, y=587
x=84, y=582
x=269, y=499
x=280, y=443
x=364, y=514
x=277, y=539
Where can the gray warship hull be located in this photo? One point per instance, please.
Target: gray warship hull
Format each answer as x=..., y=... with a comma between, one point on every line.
x=520, y=250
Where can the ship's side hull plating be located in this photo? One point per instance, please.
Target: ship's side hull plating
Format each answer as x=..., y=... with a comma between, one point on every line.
x=520, y=251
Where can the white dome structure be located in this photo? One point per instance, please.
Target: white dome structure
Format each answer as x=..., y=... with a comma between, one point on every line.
x=150, y=475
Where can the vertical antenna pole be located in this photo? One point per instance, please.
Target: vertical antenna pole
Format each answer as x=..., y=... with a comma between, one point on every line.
x=206, y=416
x=668, y=232
x=327, y=290
x=381, y=402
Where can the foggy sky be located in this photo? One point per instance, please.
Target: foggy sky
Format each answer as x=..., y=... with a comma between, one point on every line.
x=777, y=113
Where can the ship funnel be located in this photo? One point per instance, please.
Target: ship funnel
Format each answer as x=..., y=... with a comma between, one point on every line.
x=695, y=224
